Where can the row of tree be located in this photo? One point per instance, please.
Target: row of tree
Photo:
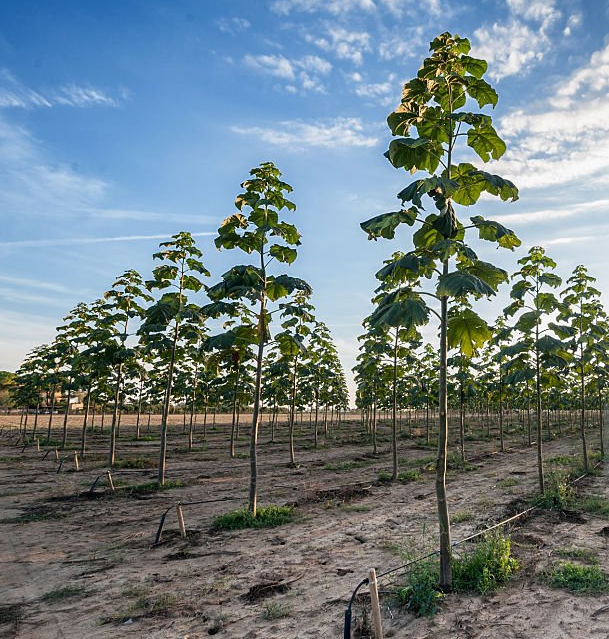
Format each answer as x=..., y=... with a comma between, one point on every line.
x=150, y=344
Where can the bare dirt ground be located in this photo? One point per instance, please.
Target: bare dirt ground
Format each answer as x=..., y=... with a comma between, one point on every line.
x=76, y=565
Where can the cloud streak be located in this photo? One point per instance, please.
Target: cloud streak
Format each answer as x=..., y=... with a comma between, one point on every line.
x=91, y=240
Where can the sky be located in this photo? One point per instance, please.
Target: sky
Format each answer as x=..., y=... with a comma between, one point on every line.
x=124, y=122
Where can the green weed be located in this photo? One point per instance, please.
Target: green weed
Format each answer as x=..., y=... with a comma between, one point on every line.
x=265, y=518
x=461, y=516
x=582, y=554
x=595, y=505
x=68, y=592
x=274, y=610
x=487, y=567
x=579, y=580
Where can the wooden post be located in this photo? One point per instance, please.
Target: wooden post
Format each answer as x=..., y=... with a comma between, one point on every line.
x=75, y=460
x=37, y=445
x=180, y=515
x=56, y=455
x=110, y=482
x=375, y=608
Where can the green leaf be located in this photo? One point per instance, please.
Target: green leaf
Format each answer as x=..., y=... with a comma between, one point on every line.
x=384, y=225
x=485, y=142
x=439, y=185
x=492, y=275
x=474, y=66
x=415, y=154
x=459, y=284
x=468, y=332
x=408, y=313
x=495, y=232
x=472, y=182
x=481, y=91
x=527, y=321
x=283, y=253
x=550, y=279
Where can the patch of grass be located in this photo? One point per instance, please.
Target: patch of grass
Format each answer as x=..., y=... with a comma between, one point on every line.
x=11, y=614
x=265, y=518
x=153, y=606
x=242, y=456
x=355, y=508
x=142, y=438
x=487, y=567
x=582, y=554
x=275, y=610
x=455, y=462
x=560, y=460
x=348, y=465
x=508, y=482
x=422, y=595
x=384, y=477
x=579, y=580
x=150, y=487
x=558, y=494
x=41, y=513
x=410, y=475
x=595, y=505
x=68, y=592
x=135, y=462
x=461, y=516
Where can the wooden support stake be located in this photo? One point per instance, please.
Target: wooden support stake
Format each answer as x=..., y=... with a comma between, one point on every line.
x=56, y=455
x=181, y=520
x=75, y=460
x=375, y=608
x=110, y=482
x=37, y=445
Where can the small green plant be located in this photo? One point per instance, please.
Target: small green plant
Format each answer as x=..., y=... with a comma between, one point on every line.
x=595, y=505
x=265, y=518
x=488, y=566
x=558, y=495
x=275, y=610
x=348, y=465
x=135, y=462
x=68, y=592
x=461, y=516
x=582, y=554
x=410, y=475
x=508, y=482
x=151, y=487
x=422, y=594
x=579, y=580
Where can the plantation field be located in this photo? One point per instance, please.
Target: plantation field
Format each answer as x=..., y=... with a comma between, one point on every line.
x=80, y=564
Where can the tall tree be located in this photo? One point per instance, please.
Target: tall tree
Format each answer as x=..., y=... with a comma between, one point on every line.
x=253, y=230
x=432, y=106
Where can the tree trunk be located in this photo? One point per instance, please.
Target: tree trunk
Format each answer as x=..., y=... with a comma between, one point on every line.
x=443, y=516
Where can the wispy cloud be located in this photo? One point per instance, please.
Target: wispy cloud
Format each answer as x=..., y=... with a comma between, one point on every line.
x=91, y=240
x=233, y=25
x=38, y=284
x=344, y=44
x=296, y=134
x=564, y=137
x=13, y=94
x=339, y=7
x=385, y=93
x=306, y=71
x=523, y=40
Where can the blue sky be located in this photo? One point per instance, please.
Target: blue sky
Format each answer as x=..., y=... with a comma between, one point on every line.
x=124, y=122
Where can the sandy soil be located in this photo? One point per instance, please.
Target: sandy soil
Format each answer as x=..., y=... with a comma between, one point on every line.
x=53, y=535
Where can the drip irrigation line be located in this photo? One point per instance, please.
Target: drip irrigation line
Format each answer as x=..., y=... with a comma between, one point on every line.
x=347, y=626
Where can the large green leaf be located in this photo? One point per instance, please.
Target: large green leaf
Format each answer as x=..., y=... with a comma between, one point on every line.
x=283, y=253
x=459, y=284
x=472, y=182
x=415, y=154
x=384, y=225
x=410, y=312
x=481, y=91
x=527, y=321
x=474, y=66
x=492, y=275
x=485, y=142
x=436, y=184
x=495, y=232
x=467, y=331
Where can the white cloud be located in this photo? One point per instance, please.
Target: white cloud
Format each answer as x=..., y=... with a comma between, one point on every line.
x=406, y=44
x=306, y=70
x=385, y=93
x=13, y=94
x=563, y=138
x=233, y=25
x=275, y=65
x=20, y=333
x=346, y=45
x=331, y=134
x=514, y=46
x=91, y=240
x=340, y=7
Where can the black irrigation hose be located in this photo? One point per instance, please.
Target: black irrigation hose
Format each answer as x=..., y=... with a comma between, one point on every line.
x=347, y=626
